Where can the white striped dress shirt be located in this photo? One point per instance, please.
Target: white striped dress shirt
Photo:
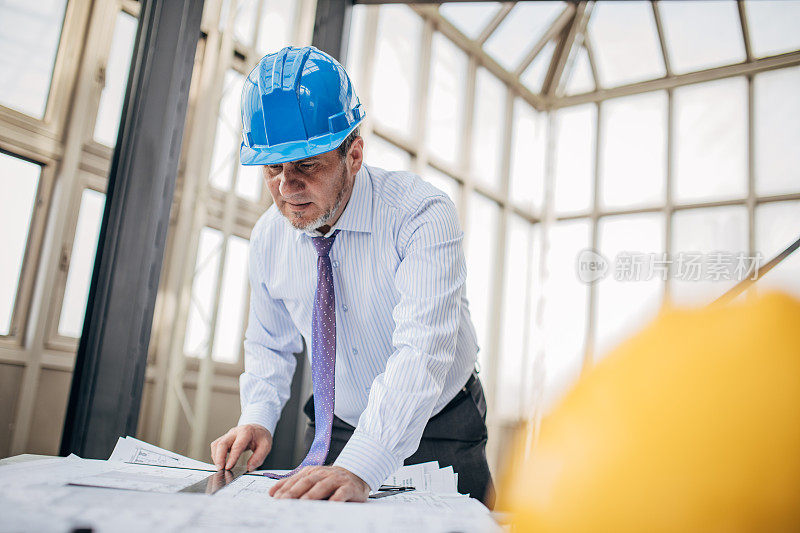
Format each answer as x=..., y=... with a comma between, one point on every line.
x=405, y=343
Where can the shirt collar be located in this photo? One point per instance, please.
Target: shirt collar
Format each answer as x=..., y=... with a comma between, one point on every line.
x=357, y=215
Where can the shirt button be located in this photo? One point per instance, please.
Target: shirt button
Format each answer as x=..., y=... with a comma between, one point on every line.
x=355, y=351
x=336, y=264
x=344, y=308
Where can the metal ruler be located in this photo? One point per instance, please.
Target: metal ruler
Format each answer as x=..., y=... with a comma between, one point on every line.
x=216, y=481
x=756, y=272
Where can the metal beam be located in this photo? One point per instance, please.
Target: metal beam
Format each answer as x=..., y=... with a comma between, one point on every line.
x=475, y=50
x=380, y=2
x=587, y=44
x=662, y=39
x=553, y=82
x=748, y=49
x=332, y=27
x=494, y=23
x=728, y=71
x=551, y=33
x=110, y=364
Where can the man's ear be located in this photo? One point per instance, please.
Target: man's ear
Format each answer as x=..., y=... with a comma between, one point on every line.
x=355, y=156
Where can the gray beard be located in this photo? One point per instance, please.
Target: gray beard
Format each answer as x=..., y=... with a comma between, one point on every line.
x=323, y=219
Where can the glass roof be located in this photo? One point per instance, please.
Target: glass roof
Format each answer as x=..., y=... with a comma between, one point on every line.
x=520, y=30
x=702, y=35
x=623, y=43
x=774, y=26
x=533, y=76
x=580, y=78
x=470, y=17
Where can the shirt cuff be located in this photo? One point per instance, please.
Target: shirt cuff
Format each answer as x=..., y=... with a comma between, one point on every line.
x=368, y=459
x=263, y=415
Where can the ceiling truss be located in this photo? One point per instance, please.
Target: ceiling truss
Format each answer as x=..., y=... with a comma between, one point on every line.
x=568, y=32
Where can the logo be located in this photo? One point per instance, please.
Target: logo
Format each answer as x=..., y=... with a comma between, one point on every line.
x=591, y=266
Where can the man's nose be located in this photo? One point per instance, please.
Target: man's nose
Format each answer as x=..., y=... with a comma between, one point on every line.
x=291, y=183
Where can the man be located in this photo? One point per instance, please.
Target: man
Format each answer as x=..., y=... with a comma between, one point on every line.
x=369, y=265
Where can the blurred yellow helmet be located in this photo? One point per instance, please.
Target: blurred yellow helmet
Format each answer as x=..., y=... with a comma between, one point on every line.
x=691, y=425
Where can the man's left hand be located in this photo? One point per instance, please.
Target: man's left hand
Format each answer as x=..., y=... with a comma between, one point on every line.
x=321, y=482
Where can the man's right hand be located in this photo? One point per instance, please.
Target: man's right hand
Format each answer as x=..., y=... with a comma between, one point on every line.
x=237, y=440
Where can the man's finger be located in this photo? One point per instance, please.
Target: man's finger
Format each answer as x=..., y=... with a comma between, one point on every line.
x=343, y=494
x=214, y=445
x=220, y=451
x=277, y=486
x=301, y=486
x=288, y=483
x=322, y=489
x=259, y=454
x=298, y=477
x=239, y=445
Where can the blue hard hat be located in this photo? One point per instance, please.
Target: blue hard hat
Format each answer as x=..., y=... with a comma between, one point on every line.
x=296, y=103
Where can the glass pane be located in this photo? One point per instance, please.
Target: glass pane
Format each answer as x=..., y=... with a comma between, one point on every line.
x=520, y=30
x=204, y=286
x=244, y=23
x=515, y=341
x=29, y=35
x=773, y=26
x=225, y=155
x=481, y=240
x=383, y=154
x=249, y=182
x=565, y=304
x=446, y=102
x=574, y=164
x=580, y=76
x=109, y=112
x=19, y=181
x=700, y=274
x=711, y=141
x=777, y=226
x=396, y=68
x=275, y=23
x=630, y=294
x=701, y=34
x=777, y=131
x=228, y=335
x=633, y=156
x=625, y=43
x=81, y=263
x=444, y=183
x=487, y=130
x=533, y=337
x=528, y=156
x=470, y=17
x=533, y=76
x=355, y=47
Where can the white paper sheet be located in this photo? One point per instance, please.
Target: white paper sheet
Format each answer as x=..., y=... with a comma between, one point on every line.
x=131, y=450
x=37, y=497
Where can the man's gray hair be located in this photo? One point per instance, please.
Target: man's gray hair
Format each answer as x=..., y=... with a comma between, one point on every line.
x=348, y=141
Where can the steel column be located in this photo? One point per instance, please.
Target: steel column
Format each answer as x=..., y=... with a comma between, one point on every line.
x=332, y=27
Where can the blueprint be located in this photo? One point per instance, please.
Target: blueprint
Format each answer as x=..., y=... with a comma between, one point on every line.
x=56, y=495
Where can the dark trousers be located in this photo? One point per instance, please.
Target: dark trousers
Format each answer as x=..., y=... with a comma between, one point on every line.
x=455, y=436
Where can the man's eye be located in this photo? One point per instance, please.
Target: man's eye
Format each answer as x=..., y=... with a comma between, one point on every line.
x=306, y=166
x=274, y=168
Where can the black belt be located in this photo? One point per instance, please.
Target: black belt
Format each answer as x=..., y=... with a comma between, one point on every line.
x=463, y=391
x=470, y=382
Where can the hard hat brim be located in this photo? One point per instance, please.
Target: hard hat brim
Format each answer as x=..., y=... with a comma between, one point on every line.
x=293, y=150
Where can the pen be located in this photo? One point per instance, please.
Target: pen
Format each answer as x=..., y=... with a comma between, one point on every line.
x=390, y=490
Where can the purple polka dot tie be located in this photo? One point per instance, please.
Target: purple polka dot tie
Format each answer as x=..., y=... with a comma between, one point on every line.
x=323, y=356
